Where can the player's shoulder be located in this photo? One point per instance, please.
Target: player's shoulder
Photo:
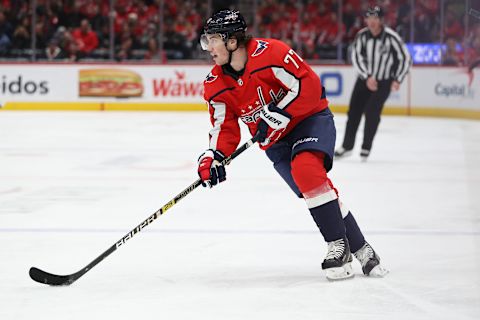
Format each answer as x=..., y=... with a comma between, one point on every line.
x=212, y=77
x=389, y=30
x=214, y=83
x=265, y=50
x=362, y=35
x=392, y=33
x=262, y=48
x=362, y=31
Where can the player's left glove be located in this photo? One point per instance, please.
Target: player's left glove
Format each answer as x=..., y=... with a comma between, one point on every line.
x=271, y=117
x=210, y=168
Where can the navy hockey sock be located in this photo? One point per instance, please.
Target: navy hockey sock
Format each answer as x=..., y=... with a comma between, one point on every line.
x=354, y=235
x=329, y=220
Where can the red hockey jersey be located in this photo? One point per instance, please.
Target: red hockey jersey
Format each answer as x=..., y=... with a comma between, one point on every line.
x=273, y=72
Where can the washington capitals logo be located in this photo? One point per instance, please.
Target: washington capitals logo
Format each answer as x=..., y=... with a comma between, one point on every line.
x=261, y=46
x=210, y=78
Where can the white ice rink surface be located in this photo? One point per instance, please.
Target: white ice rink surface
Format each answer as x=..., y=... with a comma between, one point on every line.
x=72, y=184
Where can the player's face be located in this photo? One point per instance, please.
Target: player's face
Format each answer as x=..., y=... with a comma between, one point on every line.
x=214, y=44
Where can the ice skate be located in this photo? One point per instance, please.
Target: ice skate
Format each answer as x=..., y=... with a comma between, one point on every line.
x=370, y=261
x=342, y=153
x=364, y=153
x=337, y=263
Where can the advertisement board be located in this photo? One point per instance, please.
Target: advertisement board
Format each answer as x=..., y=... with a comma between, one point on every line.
x=428, y=53
x=446, y=88
x=426, y=90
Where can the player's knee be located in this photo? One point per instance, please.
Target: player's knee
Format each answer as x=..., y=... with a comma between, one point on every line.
x=310, y=176
x=308, y=170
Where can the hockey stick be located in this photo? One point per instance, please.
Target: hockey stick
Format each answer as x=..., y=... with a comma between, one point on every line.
x=58, y=280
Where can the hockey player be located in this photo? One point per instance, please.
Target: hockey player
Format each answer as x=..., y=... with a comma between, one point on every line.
x=265, y=84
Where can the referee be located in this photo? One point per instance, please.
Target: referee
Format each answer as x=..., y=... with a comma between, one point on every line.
x=381, y=60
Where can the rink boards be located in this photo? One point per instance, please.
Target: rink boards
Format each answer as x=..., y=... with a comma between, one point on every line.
x=431, y=91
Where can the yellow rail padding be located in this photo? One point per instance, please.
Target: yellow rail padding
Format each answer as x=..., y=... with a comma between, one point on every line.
x=51, y=106
x=398, y=111
x=150, y=106
x=421, y=112
x=103, y=106
x=131, y=106
x=446, y=113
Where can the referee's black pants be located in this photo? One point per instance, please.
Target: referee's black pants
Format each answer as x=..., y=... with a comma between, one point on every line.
x=370, y=103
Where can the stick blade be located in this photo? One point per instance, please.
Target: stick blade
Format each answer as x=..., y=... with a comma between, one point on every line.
x=50, y=279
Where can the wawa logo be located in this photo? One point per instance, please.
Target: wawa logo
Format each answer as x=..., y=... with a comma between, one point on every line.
x=178, y=86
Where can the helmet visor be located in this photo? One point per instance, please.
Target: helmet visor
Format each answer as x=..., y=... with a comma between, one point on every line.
x=210, y=40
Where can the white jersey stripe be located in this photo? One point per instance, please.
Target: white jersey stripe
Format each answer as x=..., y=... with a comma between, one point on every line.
x=219, y=112
x=321, y=199
x=357, y=58
x=289, y=81
x=388, y=67
x=370, y=55
x=383, y=62
x=402, y=55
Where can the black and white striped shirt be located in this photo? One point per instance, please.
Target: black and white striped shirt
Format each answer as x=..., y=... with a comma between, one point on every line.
x=384, y=57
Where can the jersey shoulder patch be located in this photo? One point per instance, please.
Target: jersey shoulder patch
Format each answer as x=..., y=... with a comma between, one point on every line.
x=261, y=46
x=213, y=83
x=210, y=78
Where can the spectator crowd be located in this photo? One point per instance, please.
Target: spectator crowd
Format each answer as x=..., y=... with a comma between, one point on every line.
x=80, y=29
x=75, y=30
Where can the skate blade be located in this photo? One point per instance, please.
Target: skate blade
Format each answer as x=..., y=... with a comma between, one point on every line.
x=340, y=273
x=378, y=272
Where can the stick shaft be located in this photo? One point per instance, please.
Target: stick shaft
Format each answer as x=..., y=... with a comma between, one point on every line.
x=52, y=279
x=181, y=195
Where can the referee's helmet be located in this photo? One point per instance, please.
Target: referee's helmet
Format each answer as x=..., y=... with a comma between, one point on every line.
x=375, y=11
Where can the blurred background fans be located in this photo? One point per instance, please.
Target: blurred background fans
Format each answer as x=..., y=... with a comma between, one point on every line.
x=437, y=31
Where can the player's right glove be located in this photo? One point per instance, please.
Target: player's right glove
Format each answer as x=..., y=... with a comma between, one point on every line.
x=273, y=117
x=210, y=168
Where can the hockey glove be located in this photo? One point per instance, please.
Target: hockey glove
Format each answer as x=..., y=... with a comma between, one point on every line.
x=273, y=117
x=210, y=169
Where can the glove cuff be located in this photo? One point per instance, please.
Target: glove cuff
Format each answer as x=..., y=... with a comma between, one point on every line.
x=218, y=155
x=210, y=153
x=275, y=117
x=273, y=108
